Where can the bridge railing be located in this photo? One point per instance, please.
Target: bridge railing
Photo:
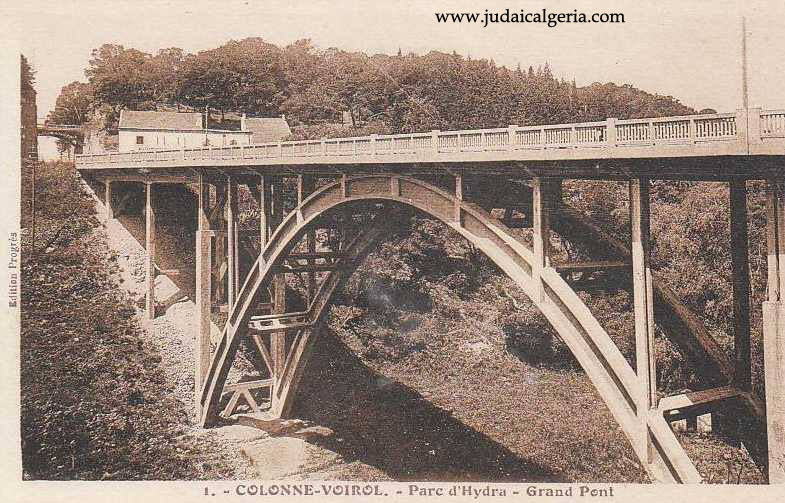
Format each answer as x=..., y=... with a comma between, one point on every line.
x=680, y=130
x=772, y=124
x=684, y=129
x=46, y=125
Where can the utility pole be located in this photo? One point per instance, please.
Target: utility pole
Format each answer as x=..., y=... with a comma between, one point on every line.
x=744, y=95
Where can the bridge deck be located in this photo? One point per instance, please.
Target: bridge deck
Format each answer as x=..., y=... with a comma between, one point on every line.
x=722, y=139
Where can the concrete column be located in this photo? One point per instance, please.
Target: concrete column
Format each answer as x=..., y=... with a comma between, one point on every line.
x=741, y=283
x=265, y=210
x=775, y=237
x=149, y=252
x=774, y=332
x=306, y=184
x=541, y=215
x=108, y=200
x=203, y=291
x=459, y=197
x=277, y=339
x=222, y=272
x=640, y=247
x=233, y=265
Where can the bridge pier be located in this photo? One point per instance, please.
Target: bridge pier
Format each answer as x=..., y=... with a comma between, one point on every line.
x=278, y=293
x=108, y=200
x=218, y=219
x=306, y=184
x=149, y=251
x=264, y=210
x=203, y=289
x=458, y=199
x=645, y=363
x=543, y=207
x=233, y=265
x=726, y=421
x=740, y=263
x=774, y=330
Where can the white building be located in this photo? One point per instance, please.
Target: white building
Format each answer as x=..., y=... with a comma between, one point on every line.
x=148, y=130
x=266, y=129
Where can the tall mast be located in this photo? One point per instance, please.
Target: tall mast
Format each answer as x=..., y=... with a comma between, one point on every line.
x=744, y=95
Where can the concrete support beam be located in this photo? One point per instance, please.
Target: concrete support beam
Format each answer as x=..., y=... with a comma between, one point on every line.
x=306, y=184
x=108, y=200
x=218, y=219
x=775, y=237
x=774, y=331
x=774, y=363
x=741, y=283
x=233, y=264
x=149, y=252
x=646, y=398
x=203, y=290
x=277, y=339
x=265, y=210
x=541, y=215
x=458, y=198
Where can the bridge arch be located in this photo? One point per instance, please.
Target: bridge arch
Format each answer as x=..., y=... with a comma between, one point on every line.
x=615, y=380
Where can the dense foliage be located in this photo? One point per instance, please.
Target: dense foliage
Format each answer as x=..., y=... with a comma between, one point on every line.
x=26, y=75
x=94, y=400
x=314, y=86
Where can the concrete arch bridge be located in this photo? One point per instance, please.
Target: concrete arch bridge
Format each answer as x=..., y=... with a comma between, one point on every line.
x=353, y=189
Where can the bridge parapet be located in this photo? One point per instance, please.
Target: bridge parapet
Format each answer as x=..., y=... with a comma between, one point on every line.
x=47, y=125
x=610, y=138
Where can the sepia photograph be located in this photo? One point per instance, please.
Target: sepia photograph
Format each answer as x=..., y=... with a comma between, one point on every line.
x=402, y=250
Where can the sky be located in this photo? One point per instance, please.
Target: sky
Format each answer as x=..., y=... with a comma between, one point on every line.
x=689, y=49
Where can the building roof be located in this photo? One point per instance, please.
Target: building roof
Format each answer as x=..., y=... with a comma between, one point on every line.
x=133, y=119
x=267, y=129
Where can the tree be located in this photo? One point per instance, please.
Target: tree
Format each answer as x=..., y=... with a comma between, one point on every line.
x=245, y=76
x=74, y=104
x=164, y=73
x=122, y=78
x=435, y=90
x=27, y=75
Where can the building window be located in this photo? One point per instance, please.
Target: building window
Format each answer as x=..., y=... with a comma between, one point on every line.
x=140, y=140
